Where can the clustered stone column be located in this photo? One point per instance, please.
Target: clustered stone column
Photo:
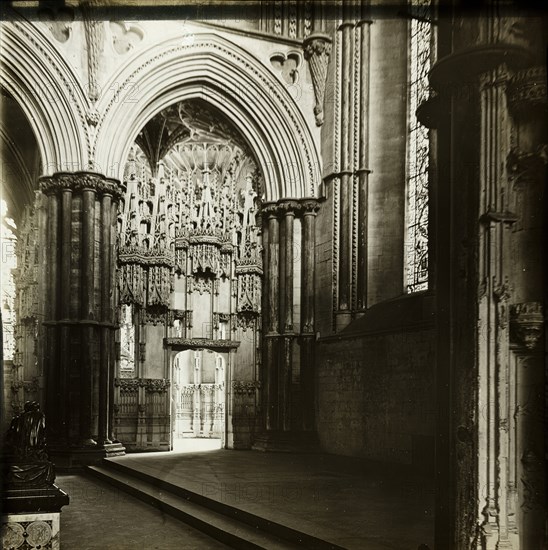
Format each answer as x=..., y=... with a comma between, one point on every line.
x=489, y=112
x=352, y=60
x=79, y=367
x=308, y=336
x=527, y=164
x=281, y=334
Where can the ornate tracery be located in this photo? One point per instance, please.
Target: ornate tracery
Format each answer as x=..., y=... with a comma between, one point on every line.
x=190, y=258
x=416, y=248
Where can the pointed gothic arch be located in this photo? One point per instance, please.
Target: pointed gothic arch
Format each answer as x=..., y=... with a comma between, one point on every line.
x=39, y=78
x=233, y=81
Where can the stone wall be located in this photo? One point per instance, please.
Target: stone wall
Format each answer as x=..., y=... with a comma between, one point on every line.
x=375, y=385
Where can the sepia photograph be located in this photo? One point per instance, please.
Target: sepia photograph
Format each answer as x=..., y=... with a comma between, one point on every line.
x=273, y=274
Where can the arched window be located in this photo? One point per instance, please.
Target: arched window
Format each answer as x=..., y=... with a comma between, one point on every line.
x=416, y=240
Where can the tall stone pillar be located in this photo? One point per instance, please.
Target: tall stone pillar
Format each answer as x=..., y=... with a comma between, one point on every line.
x=307, y=338
x=344, y=312
x=271, y=318
x=80, y=314
x=285, y=428
x=527, y=165
x=285, y=370
x=489, y=282
x=363, y=171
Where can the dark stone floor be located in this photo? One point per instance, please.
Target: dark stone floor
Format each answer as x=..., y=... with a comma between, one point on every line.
x=103, y=518
x=356, y=504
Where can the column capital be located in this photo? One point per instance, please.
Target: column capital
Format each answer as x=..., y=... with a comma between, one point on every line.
x=310, y=207
x=80, y=181
x=527, y=324
x=270, y=210
x=460, y=69
x=527, y=92
x=288, y=207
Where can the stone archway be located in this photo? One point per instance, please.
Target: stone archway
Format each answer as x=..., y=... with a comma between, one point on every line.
x=234, y=82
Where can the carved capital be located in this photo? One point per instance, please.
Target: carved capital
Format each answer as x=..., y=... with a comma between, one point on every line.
x=527, y=91
x=270, y=210
x=527, y=324
x=289, y=207
x=310, y=207
x=80, y=181
x=317, y=49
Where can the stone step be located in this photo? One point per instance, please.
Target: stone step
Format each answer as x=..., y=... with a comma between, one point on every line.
x=235, y=527
x=228, y=531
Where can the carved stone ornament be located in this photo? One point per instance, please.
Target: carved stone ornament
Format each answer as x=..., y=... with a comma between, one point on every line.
x=59, y=21
x=95, y=37
x=80, y=181
x=241, y=387
x=527, y=324
x=317, y=49
x=132, y=385
x=527, y=168
x=527, y=91
x=181, y=344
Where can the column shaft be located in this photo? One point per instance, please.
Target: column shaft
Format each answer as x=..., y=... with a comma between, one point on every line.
x=363, y=164
x=285, y=365
x=271, y=317
x=307, y=318
x=104, y=366
x=51, y=312
x=345, y=233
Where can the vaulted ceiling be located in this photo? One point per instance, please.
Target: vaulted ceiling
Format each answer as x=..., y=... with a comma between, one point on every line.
x=191, y=121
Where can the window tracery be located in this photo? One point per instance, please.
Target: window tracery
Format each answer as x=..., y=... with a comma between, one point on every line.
x=416, y=246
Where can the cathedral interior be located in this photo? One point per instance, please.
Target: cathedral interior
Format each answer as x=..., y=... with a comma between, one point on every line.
x=300, y=234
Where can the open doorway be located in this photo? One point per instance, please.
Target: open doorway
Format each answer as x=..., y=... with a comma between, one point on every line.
x=199, y=400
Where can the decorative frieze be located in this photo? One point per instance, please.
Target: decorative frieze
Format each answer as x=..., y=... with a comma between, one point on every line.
x=131, y=385
x=160, y=385
x=527, y=324
x=180, y=344
x=245, y=388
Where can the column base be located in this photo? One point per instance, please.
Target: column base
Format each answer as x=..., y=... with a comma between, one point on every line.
x=287, y=442
x=68, y=458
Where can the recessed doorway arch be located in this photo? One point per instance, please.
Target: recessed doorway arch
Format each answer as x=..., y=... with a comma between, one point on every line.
x=234, y=82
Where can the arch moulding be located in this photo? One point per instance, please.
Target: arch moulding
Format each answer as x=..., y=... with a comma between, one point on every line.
x=233, y=81
x=39, y=79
